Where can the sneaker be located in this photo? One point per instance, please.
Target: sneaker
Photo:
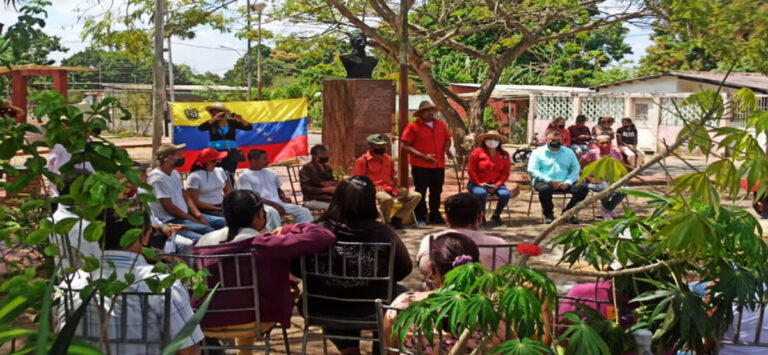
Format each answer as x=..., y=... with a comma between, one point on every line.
x=548, y=219
x=607, y=215
x=396, y=223
x=436, y=220
x=614, y=214
x=575, y=220
x=496, y=219
x=421, y=223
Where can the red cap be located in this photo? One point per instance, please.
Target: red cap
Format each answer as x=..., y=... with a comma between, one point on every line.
x=208, y=155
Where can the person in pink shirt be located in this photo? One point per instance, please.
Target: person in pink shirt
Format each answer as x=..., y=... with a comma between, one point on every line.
x=464, y=213
x=604, y=149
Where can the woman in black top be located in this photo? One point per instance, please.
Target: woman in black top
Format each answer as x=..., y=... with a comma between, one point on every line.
x=626, y=138
x=351, y=216
x=222, y=129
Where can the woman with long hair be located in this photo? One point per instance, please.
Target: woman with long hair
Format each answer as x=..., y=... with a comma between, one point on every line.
x=207, y=185
x=488, y=172
x=558, y=124
x=352, y=218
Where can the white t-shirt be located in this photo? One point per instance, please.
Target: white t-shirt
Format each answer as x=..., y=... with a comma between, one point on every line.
x=57, y=158
x=75, y=237
x=210, y=184
x=166, y=186
x=264, y=182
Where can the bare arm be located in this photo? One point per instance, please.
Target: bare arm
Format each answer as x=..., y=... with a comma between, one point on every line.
x=194, y=195
x=227, y=188
x=175, y=211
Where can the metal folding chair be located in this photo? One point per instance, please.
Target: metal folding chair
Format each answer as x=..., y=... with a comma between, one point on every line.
x=345, y=262
x=293, y=177
x=124, y=335
x=238, y=292
x=385, y=348
x=504, y=251
x=756, y=324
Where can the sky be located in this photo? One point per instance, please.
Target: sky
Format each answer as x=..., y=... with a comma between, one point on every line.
x=211, y=51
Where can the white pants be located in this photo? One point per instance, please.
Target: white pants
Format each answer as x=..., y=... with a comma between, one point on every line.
x=630, y=154
x=300, y=214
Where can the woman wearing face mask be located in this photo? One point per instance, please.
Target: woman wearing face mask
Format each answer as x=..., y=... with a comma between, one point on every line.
x=488, y=171
x=207, y=185
x=245, y=216
x=558, y=124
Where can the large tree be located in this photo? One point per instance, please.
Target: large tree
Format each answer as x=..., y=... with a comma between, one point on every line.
x=458, y=25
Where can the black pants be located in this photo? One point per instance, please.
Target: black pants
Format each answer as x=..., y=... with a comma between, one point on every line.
x=579, y=193
x=432, y=179
x=229, y=164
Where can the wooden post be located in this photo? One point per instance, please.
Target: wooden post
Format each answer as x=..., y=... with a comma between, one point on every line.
x=19, y=97
x=402, y=163
x=158, y=85
x=60, y=82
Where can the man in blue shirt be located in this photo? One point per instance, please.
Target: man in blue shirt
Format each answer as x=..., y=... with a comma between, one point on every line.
x=554, y=168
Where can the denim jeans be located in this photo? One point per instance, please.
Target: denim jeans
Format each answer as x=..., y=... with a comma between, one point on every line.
x=481, y=193
x=194, y=230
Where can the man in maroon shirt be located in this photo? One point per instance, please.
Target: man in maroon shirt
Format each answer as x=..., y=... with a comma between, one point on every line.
x=580, y=136
x=428, y=142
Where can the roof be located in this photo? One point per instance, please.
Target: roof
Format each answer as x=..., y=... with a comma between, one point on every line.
x=148, y=87
x=754, y=81
x=511, y=91
x=36, y=67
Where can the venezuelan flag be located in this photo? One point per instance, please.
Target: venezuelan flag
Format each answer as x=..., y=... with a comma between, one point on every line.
x=279, y=128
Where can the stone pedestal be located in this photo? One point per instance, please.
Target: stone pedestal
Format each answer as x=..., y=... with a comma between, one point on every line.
x=353, y=109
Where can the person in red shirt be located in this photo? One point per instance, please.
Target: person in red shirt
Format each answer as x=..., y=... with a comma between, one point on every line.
x=558, y=124
x=377, y=165
x=488, y=171
x=428, y=142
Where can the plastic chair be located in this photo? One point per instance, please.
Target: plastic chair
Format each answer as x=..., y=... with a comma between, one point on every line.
x=345, y=262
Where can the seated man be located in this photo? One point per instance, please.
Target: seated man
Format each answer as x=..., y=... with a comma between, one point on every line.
x=265, y=182
x=121, y=262
x=173, y=205
x=464, y=213
x=317, y=182
x=72, y=247
x=605, y=149
x=580, y=136
x=555, y=169
x=377, y=165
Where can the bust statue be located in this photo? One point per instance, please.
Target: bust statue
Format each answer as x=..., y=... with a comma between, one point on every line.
x=358, y=64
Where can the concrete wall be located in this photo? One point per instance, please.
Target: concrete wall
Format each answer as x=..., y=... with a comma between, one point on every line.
x=664, y=84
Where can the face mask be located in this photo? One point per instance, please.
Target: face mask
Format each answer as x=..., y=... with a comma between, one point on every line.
x=379, y=151
x=555, y=144
x=179, y=163
x=562, y=126
x=605, y=148
x=491, y=143
x=322, y=160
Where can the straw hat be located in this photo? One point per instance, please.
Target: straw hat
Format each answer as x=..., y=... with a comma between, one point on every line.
x=217, y=106
x=491, y=134
x=15, y=111
x=424, y=106
x=165, y=150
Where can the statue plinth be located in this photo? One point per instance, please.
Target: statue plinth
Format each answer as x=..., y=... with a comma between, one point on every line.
x=352, y=110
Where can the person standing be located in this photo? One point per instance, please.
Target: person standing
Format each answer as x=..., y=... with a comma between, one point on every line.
x=604, y=149
x=554, y=169
x=377, y=165
x=428, y=142
x=316, y=178
x=580, y=136
x=626, y=138
x=222, y=131
x=488, y=171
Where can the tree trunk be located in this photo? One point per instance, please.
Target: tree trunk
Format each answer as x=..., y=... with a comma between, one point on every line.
x=158, y=86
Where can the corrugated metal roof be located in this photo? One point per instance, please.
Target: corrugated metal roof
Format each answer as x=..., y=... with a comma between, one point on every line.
x=754, y=81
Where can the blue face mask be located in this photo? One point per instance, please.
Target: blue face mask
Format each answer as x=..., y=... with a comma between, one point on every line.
x=224, y=130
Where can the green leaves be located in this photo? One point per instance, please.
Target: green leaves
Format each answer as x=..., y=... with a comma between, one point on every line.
x=604, y=169
x=686, y=233
x=581, y=338
x=520, y=347
x=181, y=337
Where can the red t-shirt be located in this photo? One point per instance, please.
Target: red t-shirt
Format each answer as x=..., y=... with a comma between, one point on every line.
x=380, y=172
x=486, y=170
x=565, y=135
x=428, y=140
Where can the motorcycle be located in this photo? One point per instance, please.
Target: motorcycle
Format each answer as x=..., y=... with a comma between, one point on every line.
x=521, y=155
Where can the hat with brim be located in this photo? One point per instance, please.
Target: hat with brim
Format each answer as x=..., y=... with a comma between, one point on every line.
x=217, y=106
x=376, y=139
x=141, y=166
x=16, y=110
x=167, y=149
x=423, y=107
x=491, y=134
x=208, y=155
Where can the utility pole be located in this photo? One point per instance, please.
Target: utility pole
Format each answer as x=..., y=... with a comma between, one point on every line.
x=402, y=163
x=260, y=9
x=248, y=66
x=158, y=87
x=170, y=70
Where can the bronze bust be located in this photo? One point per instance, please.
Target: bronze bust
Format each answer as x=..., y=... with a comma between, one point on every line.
x=358, y=64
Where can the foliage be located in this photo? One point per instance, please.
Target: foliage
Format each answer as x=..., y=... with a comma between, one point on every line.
x=25, y=42
x=23, y=288
x=490, y=120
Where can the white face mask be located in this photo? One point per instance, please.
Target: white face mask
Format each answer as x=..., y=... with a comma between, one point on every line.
x=492, y=143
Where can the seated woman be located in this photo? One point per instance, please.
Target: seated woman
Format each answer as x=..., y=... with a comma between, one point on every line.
x=488, y=171
x=603, y=127
x=207, y=185
x=558, y=124
x=245, y=216
x=351, y=216
x=448, y=251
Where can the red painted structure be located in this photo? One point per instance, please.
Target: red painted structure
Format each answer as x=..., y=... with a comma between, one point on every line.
x=19, y=75
x=499, y=106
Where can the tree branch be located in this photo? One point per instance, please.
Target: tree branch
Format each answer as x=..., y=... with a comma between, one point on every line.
x=608, y=274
